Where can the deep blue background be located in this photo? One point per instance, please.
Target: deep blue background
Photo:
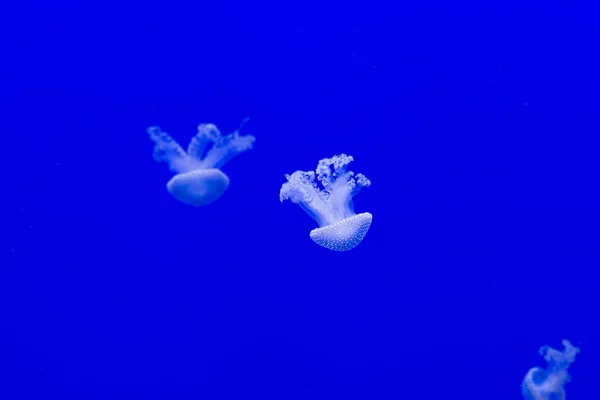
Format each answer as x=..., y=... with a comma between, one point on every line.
x=477, y=125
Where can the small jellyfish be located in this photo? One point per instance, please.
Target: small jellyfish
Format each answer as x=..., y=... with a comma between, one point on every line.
x=340, y=229
x=548, y=384
x=199, y=180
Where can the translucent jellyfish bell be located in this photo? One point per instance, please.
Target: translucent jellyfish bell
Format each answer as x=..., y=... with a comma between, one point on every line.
x=199, y=180
x=340, y=229
x=548, y=384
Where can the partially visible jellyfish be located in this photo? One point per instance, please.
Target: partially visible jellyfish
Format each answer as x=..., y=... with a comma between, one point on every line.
x=199, y=180
x=340, y=229
x=548, y=384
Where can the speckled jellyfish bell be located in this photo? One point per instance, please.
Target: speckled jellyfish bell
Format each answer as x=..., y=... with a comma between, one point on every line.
x=199, y=180
x=340, y=229
x=343, y=235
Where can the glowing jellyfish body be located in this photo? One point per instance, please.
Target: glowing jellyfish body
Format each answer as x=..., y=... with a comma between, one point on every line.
x=340, y=229
x=548, y=384
x=199, y=180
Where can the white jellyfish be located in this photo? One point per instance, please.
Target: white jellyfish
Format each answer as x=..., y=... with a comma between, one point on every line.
x=548, y=384
x=340, y=228
x=199, y=180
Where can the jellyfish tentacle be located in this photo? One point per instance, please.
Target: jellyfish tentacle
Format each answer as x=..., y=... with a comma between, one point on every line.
x=244, y=121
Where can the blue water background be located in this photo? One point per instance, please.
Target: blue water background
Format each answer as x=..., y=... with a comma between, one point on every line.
x=477, y=125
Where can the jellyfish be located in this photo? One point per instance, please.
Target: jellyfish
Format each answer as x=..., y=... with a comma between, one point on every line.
x=199, y=180
x=340, y=229
x=548, y=384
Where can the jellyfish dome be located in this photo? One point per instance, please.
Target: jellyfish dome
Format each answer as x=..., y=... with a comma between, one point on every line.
x=340, y=229
x=548, y=384
x=199, y=180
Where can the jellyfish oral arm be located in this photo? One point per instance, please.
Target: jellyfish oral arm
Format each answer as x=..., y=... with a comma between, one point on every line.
x=227, y=148
x=317, y=209
x=166, y=149
x=301, y=189
x=333, y=203
x=224, y=148
x=207, y=134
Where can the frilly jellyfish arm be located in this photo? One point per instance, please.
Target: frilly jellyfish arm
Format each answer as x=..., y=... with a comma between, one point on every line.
x=334, y=202
x=224, y=148
x=548, y=384
x=168, y=150
x=361, y=181
x=207, y=134
x=227, y=148
x=301, y=189
x=340, y=185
